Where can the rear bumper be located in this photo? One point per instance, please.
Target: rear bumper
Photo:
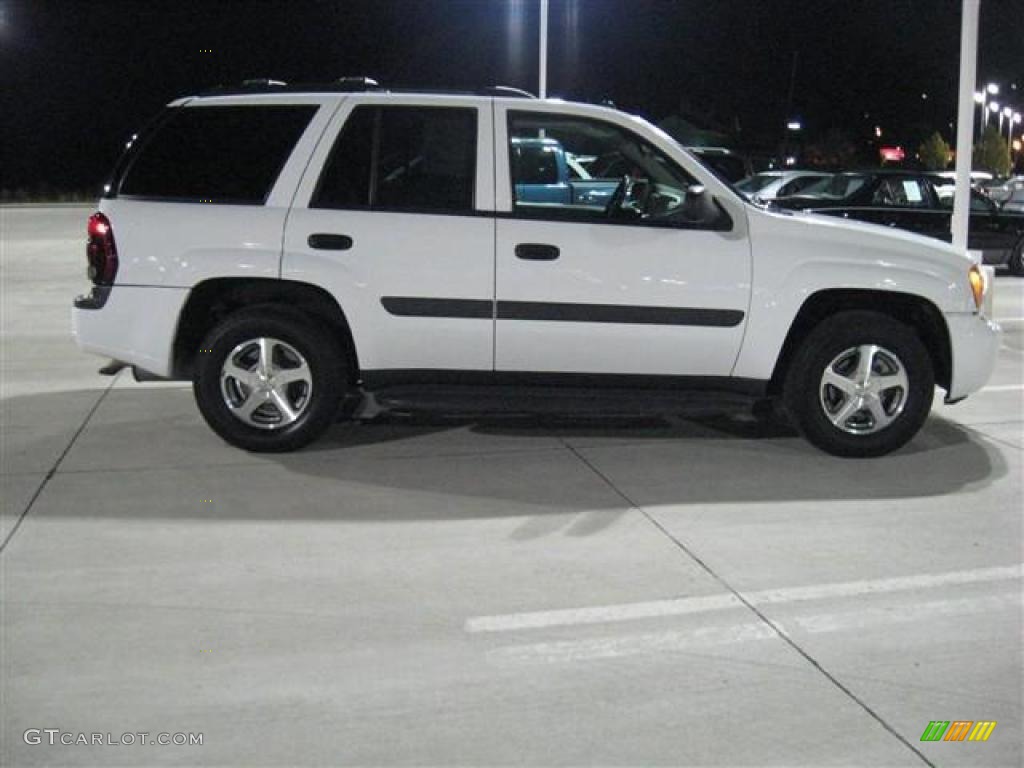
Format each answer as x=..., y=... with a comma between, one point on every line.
x=133, y=324
x=975, y=344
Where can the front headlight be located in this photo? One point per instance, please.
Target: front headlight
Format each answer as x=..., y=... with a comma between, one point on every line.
x=979, y=284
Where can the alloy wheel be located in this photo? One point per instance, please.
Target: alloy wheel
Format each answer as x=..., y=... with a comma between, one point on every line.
x=266, y=383
x=864, y=389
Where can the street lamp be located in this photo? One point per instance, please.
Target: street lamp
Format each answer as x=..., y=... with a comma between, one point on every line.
x=979, y=98
x=1007, y=112
x=993, y=106
x=989, y=90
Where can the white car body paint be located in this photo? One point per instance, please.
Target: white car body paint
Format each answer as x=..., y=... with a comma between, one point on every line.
x=766, y=267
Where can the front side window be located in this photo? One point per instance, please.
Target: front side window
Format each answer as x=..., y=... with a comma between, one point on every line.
x=217, y=154
x=418, y=159
x=626, y=179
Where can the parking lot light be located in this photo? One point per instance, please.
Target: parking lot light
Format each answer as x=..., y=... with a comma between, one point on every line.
x=993, y=106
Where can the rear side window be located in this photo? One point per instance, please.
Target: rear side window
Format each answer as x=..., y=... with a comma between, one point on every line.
x=418, y=159
x=217, y=154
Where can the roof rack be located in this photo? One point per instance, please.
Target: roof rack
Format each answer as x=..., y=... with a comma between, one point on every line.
x=263, y=82
x=508, y=91
x=361, y=83
x=353, y=85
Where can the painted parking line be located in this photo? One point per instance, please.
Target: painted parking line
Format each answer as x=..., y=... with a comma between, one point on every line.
x=602, y=614
x=617, y=646
x=1003, y=388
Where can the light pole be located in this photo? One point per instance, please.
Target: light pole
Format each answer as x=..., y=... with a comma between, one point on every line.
x=1007, y=112
x=979, y=98
x=543, y=90
x=965, y=123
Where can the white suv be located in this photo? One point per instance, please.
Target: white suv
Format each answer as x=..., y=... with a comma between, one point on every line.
x=292, y=249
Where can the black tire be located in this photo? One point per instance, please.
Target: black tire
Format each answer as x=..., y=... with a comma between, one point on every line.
x=323, y=355
x=829, y=340
x=1016, y=262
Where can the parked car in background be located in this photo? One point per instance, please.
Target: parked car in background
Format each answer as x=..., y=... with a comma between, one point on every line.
x=1015, y=203
x=768, y=185
x=977, y=177
x=546, y=173
x=1000, y=191
x=917, y=202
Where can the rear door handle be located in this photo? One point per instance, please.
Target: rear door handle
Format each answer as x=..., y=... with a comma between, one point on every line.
x=536, y=252
x=328, y=242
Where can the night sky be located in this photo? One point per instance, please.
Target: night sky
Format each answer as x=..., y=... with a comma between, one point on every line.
x=79, y=77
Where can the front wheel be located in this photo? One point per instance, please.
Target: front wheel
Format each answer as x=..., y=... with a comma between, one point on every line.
x=861, y=384
x=269, y=381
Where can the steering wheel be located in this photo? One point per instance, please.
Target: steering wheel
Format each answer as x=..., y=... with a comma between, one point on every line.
x=642, y=199
x=619, y=195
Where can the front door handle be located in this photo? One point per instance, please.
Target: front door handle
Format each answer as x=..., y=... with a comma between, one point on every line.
x=328, y=242
x=536, y=252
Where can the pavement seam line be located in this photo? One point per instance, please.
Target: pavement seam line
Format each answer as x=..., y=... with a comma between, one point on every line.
x=778, y=630
x=56, y=464
x=991, y=438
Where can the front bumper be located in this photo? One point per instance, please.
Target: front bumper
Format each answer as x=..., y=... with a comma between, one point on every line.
x=974, y=342
x=133, y=324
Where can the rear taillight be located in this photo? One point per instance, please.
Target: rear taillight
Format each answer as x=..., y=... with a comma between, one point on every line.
x=101, y=251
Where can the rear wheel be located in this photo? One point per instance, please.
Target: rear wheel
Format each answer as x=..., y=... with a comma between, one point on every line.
x=269, y=380
x=861, y=385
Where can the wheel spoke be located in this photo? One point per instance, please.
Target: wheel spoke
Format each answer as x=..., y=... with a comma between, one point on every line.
x=245, y=410
x=288, y=414
x=286, y=376
x=840, y=382
x=877, y=409
x=882, y=383
x=850, y=407
x=866, y=362
x=239, y=374
x=266, y=364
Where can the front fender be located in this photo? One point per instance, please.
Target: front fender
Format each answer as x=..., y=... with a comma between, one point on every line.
x=798, y=255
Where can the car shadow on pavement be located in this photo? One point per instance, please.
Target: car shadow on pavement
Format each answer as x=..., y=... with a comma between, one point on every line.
x=711, y=458
x=437, y=467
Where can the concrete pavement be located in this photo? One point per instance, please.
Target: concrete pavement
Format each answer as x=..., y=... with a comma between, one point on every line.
x=504, y=591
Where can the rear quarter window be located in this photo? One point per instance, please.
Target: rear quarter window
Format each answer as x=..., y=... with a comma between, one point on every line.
x=229, y=154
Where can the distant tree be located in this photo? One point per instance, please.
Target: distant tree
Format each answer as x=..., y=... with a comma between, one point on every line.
x=992, y=153
x=934, y=153
x=835, y=150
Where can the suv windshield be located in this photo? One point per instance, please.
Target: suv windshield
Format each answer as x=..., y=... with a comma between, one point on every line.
x=757, y=183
